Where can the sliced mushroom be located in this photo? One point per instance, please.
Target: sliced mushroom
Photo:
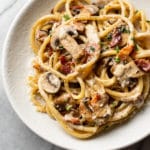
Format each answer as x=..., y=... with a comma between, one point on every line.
x=50, y=83
x=60, y=33
x=64, y=36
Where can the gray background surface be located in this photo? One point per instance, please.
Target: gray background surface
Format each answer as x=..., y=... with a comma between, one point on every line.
x=14, y=135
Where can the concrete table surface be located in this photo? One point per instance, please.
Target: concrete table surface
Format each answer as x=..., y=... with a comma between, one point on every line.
x=14, y=135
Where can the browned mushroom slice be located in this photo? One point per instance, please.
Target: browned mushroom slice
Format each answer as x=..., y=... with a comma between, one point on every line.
x=60, y=33
x=50, y=83
x=64, y=36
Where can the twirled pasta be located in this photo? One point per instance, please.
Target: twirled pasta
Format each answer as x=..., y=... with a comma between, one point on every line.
x=92, y=64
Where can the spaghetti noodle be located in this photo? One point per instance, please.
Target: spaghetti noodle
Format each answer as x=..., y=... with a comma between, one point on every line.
x=92, y=64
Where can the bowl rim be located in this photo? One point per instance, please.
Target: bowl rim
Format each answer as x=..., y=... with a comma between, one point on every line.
x=10, y=98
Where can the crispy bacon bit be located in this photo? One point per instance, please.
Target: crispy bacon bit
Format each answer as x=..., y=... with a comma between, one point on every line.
x=66, y=65
x=125, y=52
x=116, y=38
x=49, y=50
x=75, y=120
x=66, y=69
x=95, y=99
x=63, y=60
x=143, y=64
x=72, y=119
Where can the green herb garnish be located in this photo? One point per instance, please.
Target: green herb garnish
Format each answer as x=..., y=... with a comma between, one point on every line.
x=123, y=29
x=117, y=60
x=117, y=49
x=136, y=47
x=92, y=48
x=109, y=37
x=66, y=17
x=68, y=107
x=61, y=47
x=114, y=104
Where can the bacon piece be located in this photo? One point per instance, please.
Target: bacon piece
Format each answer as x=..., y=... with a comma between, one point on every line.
x=116, y=38
x=72, y=119
x=95, y=99
x=125, y=52
x=143, y=64
x=66, y=69
x=49, y=50
x=63, y=60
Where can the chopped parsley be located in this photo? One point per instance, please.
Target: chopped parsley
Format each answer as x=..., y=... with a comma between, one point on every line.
x=117, y=59
x=61, y=47
x=92, y=48
x=136, y=48
x=117, y=49
x=114, y=104
x=66, y=17
x=68, y=107
x=123, y=29
x=109, y=37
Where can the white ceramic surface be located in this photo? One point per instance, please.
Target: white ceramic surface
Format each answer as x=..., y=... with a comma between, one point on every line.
x=17, y=56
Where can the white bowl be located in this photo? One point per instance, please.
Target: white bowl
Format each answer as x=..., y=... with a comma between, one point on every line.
x=17, y=58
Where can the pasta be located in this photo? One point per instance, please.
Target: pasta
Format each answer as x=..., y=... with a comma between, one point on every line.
x=92, y=64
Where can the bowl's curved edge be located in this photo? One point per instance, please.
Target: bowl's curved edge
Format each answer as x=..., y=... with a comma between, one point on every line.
x=10, y=98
